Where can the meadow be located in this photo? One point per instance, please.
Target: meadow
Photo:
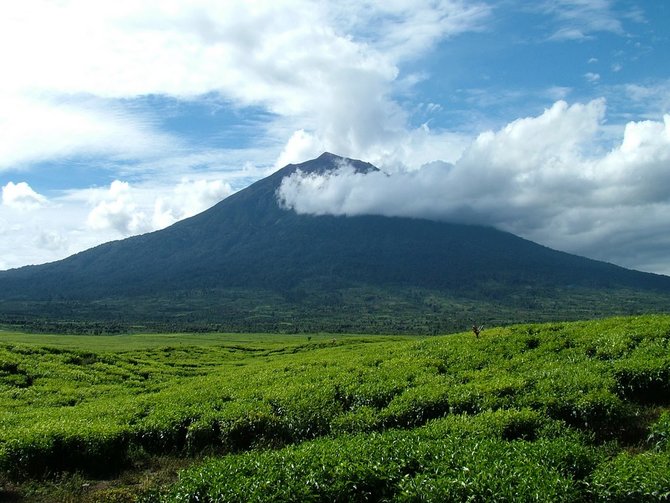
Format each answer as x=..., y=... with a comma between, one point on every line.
x=576, y=411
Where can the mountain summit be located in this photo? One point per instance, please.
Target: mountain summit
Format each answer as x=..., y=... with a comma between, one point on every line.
x=327, y=162
x=248, y=263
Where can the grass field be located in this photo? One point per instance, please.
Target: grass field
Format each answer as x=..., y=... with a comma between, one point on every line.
x=552, y=412
x=130, y=342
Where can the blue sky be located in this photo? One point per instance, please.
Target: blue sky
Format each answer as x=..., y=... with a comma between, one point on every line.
x=548, y=119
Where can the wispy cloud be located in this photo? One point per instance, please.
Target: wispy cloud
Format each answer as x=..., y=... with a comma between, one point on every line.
x=405, y=30
x=35, y=128
x=70, y=84
x=581, y=19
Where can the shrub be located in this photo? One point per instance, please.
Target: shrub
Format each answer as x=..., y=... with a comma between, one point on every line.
x=644, y=378
x=417, y=405
x=434, y=463
x=247, y=424
x=633, y=479
x=659, y=434
x=360, y=420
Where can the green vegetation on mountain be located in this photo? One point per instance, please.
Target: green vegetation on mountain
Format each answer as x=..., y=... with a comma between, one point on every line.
x=554, y=412
x=247, y=264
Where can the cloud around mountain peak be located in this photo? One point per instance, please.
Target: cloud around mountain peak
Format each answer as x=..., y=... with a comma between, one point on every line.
x=537, y=177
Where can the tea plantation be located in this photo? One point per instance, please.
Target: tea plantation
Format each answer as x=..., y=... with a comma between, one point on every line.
x=552, y=412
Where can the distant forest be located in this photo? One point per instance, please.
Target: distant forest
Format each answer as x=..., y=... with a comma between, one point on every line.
x=353, y=310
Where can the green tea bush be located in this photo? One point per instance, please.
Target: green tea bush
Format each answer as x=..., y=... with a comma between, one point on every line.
x=243, y=424
x=100, y=451
x=363, y=419
x=203, y=433
x=525, y=424
x=438, y=462
x=497, y=471
x=633, y=478
x=308, y=410
x=12, y=373
x=581, y=396
x=164, y=427
x=659, y=434
x=644, y=378
x=592, y=389
x=417, y=405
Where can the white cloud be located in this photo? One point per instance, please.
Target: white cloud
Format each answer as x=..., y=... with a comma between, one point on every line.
x=328, y=76
x=37, y=236
x=51, y=240
x=300, y=146
x=118, y=211
x=580, y=19
x=130, y=210
x=405, y=29
x=40, y=128
x=79, y=219
x=592, y=77
x=322, y=65
x=649, y=97
x=498, y=170
x=557, y=93
x=540, y=177
x=21, y=196
x=187, y=199
x=254, y=52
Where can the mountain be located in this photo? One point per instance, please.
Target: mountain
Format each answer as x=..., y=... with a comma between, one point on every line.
x=247, y=263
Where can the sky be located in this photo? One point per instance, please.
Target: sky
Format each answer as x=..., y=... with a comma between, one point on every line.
x=549, y=119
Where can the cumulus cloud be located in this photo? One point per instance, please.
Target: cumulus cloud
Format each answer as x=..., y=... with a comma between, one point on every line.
x=76, y=220
x=21, y=196
x=541, y=177
x=188, y=198
x=130, y=210
x=498, y=170
x=33, y=229
x=119, y=211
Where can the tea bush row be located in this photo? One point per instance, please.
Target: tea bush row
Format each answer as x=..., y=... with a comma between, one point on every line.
x=600, y=377
x=513, y=455
x=460, y=458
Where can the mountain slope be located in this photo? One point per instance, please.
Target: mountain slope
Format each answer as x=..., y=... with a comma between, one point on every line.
x=248, y=242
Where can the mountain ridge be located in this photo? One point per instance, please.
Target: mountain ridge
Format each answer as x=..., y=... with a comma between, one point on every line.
x=248, y=241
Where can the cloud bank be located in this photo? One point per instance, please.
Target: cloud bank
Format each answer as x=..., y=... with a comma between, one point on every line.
x=35, y=229
x=131, y=210
x=547, y=178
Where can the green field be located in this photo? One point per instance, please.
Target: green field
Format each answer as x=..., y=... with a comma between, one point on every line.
x=552, y=412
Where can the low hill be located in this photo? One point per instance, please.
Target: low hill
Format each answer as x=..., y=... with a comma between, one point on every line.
x=247, y=263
